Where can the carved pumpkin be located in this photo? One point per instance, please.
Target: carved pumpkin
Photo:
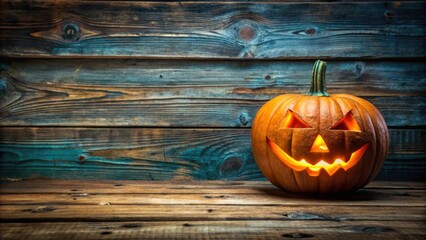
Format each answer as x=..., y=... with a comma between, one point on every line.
x=319, y=142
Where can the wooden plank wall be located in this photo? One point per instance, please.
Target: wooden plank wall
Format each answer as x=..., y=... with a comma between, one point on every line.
x=168, y=90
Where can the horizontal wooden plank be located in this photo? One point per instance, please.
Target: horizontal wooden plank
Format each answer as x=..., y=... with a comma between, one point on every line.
x=127, y=153
x=163, y=154
x=260, y=80
x=104, y=212
x=377, y=212
x=359, y=198
x=212, y=29
x=215, y=230
x=191, y=93
x=177, y=187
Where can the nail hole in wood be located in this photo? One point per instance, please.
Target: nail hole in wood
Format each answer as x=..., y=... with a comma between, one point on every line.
x=106, y=232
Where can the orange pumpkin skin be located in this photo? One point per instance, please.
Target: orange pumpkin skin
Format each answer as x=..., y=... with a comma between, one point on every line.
x=319, y=144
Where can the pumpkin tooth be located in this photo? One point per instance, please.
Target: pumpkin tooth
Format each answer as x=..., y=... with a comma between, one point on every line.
x=314, y=170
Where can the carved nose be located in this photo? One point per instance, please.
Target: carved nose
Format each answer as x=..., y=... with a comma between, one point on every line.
x=319, y=145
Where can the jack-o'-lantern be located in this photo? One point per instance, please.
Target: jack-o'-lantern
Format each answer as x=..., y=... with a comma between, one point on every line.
x=319, y=142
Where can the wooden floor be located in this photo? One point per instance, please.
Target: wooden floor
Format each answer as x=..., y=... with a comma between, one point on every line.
x=53, y=209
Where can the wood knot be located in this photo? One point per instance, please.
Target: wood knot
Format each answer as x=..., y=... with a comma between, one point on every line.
x=76, y=195
x=211, y=197
x=243, y=119
x=310, y=31
x=308, y=216
x=389, y=14
x=231, y=165
x=297, y=235
x=40, y=210
x=268, y=77
x=359, y=69
x=371, y=229
x=247, y=33
x=70, y=32
x=4, y=66
x=131, y=225
x=3, y=87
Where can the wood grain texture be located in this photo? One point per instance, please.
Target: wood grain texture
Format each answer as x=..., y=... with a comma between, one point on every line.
x=206, y=210
x=176, y=187
x=183, y=80
x=159, y=212
x=220, y=230
x=164, y=154
x=191, y=93
x=361, y=198
x=212, y=29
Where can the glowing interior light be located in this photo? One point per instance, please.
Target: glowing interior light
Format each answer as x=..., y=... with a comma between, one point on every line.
x=291, y=120
x=315, y=169
x=319, y=145
x=348, y=122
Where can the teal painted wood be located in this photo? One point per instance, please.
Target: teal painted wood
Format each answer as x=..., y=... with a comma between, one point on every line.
x=258, y=80
x=192, y=93
x=384, y=29
x=164, y=154
x=123, y=153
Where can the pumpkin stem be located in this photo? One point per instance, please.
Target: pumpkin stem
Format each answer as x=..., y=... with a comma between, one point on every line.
x=318, y=80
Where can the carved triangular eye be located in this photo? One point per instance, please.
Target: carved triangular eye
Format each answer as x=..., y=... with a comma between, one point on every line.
x=291, y=120
x=348, y=122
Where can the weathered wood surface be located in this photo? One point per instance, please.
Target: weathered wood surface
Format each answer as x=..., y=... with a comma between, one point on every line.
x=177, y=187
x=164, y=154
x=413, y=199
x=226, y=229
x=385, y=29
x=191, y=93
x=46, y=209
x=182, y=113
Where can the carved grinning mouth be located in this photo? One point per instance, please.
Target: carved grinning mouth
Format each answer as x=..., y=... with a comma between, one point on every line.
x=315, y=169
